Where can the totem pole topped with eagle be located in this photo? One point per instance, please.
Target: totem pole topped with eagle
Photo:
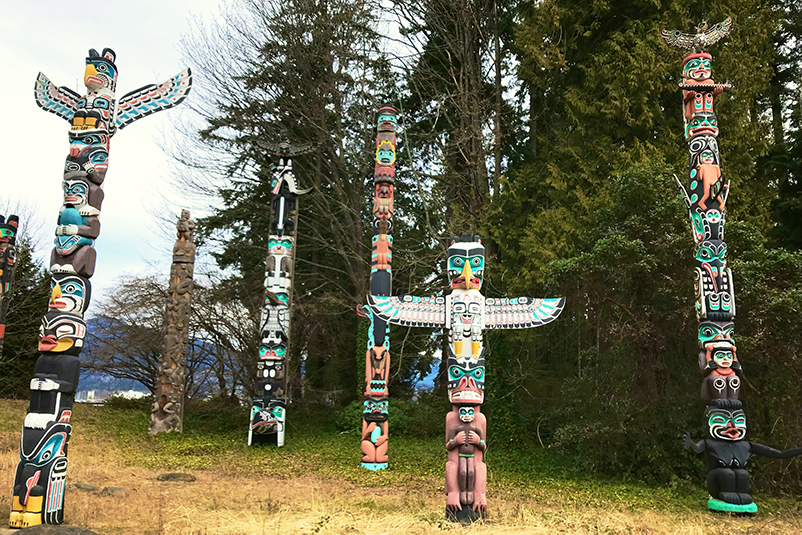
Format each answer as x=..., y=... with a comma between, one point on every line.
x=725, y=446
x=39, y=482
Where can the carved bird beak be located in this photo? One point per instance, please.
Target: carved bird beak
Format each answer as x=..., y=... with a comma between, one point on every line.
x=466, y=274
x=55, y=294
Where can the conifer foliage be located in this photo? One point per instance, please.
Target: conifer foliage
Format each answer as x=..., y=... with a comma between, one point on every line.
x=550, y=128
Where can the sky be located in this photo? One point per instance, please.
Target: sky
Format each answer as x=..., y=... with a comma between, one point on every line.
x=54, y=37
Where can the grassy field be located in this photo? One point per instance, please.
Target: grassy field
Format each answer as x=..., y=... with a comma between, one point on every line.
x=314, y=485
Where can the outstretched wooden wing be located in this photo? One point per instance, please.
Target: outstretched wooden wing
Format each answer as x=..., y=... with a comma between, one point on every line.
x=717, y=32
x=59, y=100
x=152, y=98
x=409, y=310
x=521, y=313
x=692, y=41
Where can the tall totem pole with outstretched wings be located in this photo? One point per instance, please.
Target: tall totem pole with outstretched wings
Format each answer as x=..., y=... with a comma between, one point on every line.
x=39, y=482
x=726, y=449
x=464, y=314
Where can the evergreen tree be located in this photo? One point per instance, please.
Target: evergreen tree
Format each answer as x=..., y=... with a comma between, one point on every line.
x=310, y=68
x=28, y=300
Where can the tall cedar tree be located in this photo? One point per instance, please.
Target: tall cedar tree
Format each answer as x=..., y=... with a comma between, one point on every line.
x=30, y=293
x=310, y=68
x=784, y=161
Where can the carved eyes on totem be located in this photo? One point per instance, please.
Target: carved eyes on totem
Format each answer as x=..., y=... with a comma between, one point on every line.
x=708, y=254
x=50, y=449
x=717, y=420
x=72, y=289
x=455, y=373
x=708, y=332
x=696, y=67
x=474, y=261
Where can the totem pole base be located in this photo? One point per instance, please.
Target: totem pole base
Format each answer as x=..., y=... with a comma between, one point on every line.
x=718, y=505
x=375, y=466
x=265, y=440
x=23, y=516
x=466, y=515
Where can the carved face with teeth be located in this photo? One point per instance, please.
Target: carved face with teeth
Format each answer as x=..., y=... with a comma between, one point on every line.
x=466, y=381
x=269, y=419
x=702, y=123
x=375, y=410
x=726, y=424
x=88, y=153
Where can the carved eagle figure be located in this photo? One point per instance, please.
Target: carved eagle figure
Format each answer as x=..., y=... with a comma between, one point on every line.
x=703, y=38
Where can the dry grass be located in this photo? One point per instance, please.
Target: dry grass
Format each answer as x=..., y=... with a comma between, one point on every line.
x=226, y=499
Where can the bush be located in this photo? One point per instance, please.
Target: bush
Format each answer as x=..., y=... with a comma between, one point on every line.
x=423, y=418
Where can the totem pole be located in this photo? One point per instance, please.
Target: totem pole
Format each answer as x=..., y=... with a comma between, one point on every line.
x=269, y=407
x=38, y=495
x=726, y=447
x=377, y=358
x=8, y=240
x=167, y=413
x=465, y=313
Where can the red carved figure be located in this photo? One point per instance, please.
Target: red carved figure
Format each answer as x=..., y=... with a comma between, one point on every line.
x=466, y=473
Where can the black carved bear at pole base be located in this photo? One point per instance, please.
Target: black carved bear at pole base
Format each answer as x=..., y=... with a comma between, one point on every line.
x=39, y=482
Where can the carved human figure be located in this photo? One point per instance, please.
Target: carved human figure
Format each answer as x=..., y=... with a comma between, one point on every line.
x=466, y=476
x=712, y=179
x=374, y=431
x=723, y=371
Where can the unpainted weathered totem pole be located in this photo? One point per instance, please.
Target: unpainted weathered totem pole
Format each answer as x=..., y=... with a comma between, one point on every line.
x=377, y=359
x=38, y=495
x=167, y=413
x=726, y=448
x=465, y=313
x=8, y=241
x=269, y=407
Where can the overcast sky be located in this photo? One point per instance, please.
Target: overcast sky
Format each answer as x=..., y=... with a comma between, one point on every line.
x=54, y=37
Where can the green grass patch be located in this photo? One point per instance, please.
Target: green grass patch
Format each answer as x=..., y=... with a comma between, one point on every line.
x=215, y=435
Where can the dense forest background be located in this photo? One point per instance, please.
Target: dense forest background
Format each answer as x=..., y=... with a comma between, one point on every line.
x=553, y=129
